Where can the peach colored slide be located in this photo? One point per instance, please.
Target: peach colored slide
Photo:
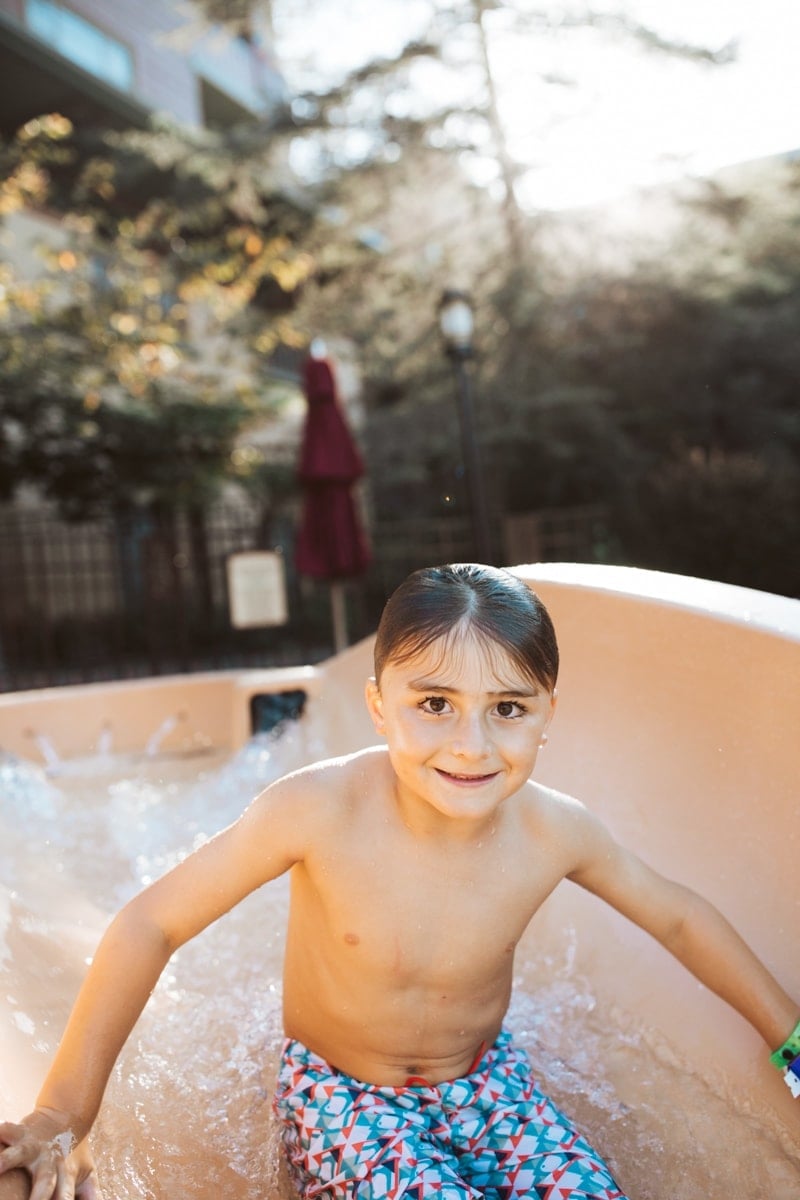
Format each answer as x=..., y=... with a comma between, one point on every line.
x=678, y=719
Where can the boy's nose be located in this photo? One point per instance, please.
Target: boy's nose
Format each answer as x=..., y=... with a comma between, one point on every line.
x=471, y=739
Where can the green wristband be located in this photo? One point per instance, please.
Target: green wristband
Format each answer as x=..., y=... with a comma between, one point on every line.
x=786, y=1053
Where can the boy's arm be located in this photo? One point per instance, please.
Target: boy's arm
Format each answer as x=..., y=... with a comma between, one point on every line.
x=687, y=925
x=261, y=845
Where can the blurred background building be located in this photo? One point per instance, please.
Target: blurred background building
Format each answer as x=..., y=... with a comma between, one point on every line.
x=114, y=63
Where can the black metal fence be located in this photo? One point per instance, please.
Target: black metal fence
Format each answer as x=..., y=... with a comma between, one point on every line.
x=146, y=593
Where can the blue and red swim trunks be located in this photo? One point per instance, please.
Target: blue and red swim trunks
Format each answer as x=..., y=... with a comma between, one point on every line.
x=489, y=1134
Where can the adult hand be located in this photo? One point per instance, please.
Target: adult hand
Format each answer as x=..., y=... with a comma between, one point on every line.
x=58, y=1169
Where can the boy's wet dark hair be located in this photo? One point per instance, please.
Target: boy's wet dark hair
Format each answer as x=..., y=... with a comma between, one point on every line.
x=468, y=598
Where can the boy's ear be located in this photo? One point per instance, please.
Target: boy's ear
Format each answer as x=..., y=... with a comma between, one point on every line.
x=374, y=704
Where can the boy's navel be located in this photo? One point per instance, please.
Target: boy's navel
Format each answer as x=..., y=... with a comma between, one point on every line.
x=352, y=939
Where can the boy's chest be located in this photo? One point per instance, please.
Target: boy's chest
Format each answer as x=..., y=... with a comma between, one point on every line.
x=414, y=914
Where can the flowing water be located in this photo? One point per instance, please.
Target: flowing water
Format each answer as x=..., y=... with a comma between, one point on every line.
x=187, y=1112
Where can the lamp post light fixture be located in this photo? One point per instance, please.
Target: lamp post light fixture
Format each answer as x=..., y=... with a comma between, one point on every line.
x=457, y=324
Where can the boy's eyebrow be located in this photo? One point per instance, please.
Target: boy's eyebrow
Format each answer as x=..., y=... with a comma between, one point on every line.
x=435, y=685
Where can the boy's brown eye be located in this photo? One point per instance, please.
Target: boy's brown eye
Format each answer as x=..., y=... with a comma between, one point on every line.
x=436, y=703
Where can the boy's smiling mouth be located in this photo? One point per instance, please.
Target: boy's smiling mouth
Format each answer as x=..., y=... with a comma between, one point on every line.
x=467, y=779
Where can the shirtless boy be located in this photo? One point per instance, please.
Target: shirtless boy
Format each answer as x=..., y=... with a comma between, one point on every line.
x=415, y=867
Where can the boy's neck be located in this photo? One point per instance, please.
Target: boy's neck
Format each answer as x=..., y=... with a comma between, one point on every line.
x=429, y=826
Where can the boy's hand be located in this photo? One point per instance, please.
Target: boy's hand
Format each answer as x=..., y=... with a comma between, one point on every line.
x=84, y=1173
x=45, y=1150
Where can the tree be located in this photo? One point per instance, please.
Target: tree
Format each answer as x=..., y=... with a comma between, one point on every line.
x=605, y=382
x=109, y=392
x=694, y=347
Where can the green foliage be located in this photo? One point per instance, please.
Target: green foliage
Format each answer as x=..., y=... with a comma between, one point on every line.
x=119, y=379
x=734, y=518
x=171, y=453
x=565, y=450
x=87, y=441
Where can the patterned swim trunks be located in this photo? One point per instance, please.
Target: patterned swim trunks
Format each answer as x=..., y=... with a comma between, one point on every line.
x=489, y=1134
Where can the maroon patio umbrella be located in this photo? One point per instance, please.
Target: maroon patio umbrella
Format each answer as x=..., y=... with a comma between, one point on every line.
x=331, y=544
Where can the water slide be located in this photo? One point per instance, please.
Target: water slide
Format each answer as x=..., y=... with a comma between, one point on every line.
x=678, y=719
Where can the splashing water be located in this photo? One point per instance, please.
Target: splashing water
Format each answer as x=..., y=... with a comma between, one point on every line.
x=158, y=735
x=50, y=755
x=187, y=1111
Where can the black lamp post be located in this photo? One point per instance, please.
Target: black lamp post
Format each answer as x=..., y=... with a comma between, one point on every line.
x=456, y=323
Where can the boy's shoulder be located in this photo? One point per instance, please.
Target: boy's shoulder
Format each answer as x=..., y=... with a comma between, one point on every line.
x=546, y=810
x=335, y=781
x=566, y=828
x=314, y=806
x=548, y=803
x=340, y=768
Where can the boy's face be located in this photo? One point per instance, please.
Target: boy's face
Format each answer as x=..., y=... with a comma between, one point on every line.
x=463, y=726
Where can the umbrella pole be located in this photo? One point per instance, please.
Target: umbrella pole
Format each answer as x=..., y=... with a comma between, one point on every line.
x=339, y=615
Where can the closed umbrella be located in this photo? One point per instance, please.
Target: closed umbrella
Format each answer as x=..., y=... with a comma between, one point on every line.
x=331, y=543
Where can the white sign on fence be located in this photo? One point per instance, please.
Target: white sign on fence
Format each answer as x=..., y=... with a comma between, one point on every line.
x=257, y=589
